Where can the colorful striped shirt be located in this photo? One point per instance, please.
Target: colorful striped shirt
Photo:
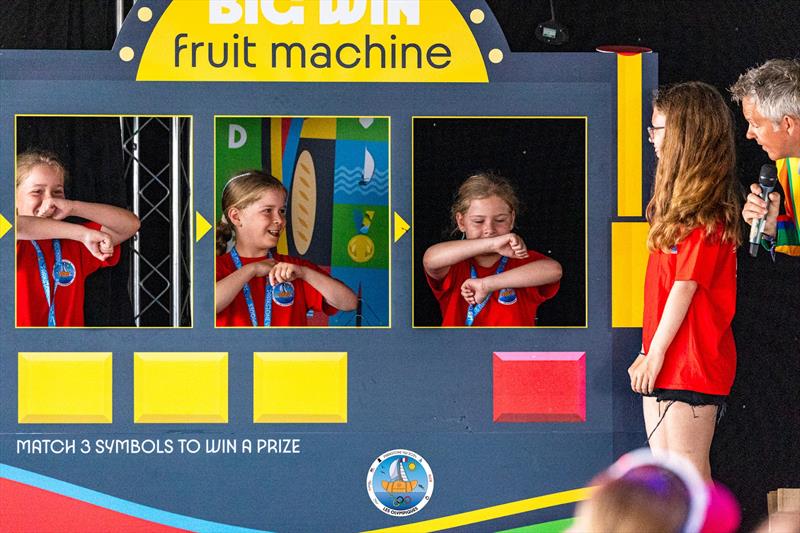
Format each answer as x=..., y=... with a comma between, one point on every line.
x=788, y=239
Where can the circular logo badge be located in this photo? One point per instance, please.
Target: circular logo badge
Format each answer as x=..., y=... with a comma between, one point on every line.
x=66, y=275
x=361, y=248
x=507, y=296
x=283, y=294
x=400, y=482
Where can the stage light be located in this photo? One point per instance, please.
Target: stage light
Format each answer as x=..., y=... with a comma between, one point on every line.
x=552, y=31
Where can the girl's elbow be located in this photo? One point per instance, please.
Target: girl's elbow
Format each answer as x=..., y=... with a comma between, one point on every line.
x=426, y=260
x=135, y=224
x=557, y=270
x=350, y=303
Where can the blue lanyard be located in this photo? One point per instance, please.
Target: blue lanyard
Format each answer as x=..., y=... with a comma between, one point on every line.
x=248, y=295
x=45, y=278
x=473, y=310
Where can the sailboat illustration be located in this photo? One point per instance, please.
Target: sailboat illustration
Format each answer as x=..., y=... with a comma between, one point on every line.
x=369, y=168
x=398, y=480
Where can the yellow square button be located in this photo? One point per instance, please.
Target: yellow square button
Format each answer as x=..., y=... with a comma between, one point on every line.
x=180, y=387
x=64, y=388
x=300, y=387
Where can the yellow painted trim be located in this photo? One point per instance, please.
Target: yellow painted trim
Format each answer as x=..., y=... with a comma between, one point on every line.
x=629, y=135
x=629, y=256
x=201, y=226
x=494, y=512
x=400, y=226
x=5, y=225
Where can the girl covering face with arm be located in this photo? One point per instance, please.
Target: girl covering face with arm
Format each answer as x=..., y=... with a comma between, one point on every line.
x=55, y=256
x=489, y=277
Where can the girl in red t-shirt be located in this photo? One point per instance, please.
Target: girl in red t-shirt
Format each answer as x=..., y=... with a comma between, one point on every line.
x=688, y=357
x=254, y=214
x=489, y=277
x=54, y=256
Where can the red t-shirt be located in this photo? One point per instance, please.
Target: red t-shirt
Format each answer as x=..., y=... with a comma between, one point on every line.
x=702, y=356
x=288, y=309
x=77, y=264
x=509, y=307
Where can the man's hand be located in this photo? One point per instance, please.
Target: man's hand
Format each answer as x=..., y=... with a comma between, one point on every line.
x=756, y=208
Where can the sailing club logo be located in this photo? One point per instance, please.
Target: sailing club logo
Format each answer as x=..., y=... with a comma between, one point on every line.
x=66, y=275
x=400, y=482
x=283, y=294
x=507, y=296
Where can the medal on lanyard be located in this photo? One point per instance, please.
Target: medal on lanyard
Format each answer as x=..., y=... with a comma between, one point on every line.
x=473, y=310
x=248, y=295
x=45, y=278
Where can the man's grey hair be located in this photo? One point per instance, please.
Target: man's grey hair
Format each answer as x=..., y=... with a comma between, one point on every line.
x=774, y=88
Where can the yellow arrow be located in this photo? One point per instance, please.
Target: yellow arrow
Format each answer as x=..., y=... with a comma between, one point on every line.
x=400, y=227
x=5, y=225
x=201, y=226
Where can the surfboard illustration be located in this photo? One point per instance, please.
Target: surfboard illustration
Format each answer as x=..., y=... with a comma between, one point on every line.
x=304, y=202
x=369, y=168
x=398, y=480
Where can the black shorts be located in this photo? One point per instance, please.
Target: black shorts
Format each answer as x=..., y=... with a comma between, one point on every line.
x=688, y=396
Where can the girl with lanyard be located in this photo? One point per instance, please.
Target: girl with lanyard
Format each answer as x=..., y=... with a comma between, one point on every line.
x=54, y=256
x=255, y=285
x=687, y=362
x=489, y=277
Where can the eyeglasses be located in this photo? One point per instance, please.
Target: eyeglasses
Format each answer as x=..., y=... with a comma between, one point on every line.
x=651, y=130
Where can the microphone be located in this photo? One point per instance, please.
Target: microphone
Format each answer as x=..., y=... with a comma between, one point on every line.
x=767, y=179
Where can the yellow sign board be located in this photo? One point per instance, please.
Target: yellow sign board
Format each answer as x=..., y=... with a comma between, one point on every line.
x=312, y=41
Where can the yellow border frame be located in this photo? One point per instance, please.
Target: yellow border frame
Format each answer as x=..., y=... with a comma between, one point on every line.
x=191, y=218
x=585, y=217
x=388, y=236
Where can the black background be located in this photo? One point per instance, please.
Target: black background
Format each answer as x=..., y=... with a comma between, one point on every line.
x=756, y=447
x=544, y=160
x=90, y=149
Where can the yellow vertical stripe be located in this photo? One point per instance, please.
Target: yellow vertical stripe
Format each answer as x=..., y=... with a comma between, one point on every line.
x=276, y=159
x=628, y=265
x=629, y=135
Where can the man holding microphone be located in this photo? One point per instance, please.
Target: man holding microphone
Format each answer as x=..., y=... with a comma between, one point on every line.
x=770, y=98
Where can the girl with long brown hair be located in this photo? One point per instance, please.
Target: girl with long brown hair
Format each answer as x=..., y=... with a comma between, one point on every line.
x=687, y=363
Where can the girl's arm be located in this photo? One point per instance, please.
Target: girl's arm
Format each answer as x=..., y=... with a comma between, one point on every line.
x=440, y=257
x=228, y=287
x=117, y=222
x=643, y=375
x=334, y=291
x=97, y=242
x=533, y=274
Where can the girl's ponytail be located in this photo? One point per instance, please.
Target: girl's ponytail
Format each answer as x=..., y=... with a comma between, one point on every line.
x=224, y=234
